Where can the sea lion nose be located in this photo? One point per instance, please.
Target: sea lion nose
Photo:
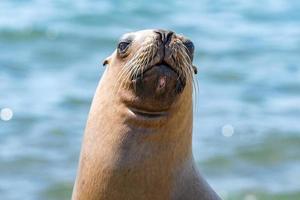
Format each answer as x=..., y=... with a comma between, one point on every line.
x=165, y=35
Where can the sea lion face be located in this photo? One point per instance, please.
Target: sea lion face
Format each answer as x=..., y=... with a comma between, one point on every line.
x=155, y=67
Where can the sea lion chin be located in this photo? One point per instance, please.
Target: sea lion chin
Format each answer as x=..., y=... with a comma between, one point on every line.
x=158, y=86
x=138, y=138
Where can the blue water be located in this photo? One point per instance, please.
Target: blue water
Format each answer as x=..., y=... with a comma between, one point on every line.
x=247, y=53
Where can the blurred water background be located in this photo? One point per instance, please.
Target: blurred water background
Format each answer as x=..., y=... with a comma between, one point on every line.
x=246, y=129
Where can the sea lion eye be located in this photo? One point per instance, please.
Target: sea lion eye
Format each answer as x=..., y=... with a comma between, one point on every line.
x=190, y=46
x=122, y=46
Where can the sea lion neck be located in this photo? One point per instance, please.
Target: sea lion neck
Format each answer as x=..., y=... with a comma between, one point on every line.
x=145, y=158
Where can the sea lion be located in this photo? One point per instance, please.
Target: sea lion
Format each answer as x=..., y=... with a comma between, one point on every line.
x=138, y=139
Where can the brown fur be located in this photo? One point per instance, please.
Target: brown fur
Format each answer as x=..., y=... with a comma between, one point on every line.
x=124, y=158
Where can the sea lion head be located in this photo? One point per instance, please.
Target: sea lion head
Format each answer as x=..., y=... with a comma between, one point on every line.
x=152, y=69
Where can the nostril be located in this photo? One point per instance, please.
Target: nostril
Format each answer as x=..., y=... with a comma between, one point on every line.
x=161, y=35
x=165, y=35
x=168, y=37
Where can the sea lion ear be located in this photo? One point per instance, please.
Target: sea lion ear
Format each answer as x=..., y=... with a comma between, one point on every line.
x=106, y=61
x=195, y=69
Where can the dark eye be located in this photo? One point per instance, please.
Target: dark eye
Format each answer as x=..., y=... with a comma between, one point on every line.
x=122, y=46
x=190, y=46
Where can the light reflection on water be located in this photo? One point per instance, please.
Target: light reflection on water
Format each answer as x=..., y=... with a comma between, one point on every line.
x=249, y=77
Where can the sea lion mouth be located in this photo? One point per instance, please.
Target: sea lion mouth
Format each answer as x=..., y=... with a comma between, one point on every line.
x=180, y=78
x=142, y=72
x=153, y=92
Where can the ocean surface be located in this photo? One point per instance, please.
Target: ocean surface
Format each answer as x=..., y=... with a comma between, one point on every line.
x=247, y=123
